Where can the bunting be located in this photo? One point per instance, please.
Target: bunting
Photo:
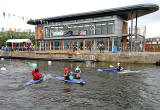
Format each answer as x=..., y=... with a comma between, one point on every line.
x=9, y=15
x=4, y=14
x=24, y=19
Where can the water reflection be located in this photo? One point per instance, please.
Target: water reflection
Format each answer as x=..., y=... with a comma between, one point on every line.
x=67, y=90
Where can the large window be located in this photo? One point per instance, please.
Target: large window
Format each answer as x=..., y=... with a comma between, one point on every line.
x=68, y=45
x=92, y=29
x=103, y=41
x=47, y=32
x=75, y=29
x=78, y=44
x=104, y=28
x=89, y=42
x=98, y=28
x=111, y=27
x=57, y=44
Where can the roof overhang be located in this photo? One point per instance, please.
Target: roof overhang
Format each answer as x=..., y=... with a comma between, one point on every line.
x=18, y=41
x=124, y=12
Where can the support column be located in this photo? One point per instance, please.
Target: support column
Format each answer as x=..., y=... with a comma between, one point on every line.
x=62, y=44
x=40, y=45
x=131, y=30
x=35, y=46
x=53, y=44
x=83, y=44
x=108, y=44
x=136, y=28
x=112, y=44
x=136, y=32
x=45, y=45
x=95, y=42
x=50, y=43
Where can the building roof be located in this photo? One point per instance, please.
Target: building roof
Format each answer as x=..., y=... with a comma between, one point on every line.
x=124, y=12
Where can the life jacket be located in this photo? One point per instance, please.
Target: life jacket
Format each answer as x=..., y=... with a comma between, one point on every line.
x=37, y=76
x=33, y=72
x=78, y=75
x=119, y=68
x=66, y=74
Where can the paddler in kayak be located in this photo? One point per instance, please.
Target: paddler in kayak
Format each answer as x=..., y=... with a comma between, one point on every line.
x=77, y=73
x=119, y=67
x=36, y=74
x=66, y=74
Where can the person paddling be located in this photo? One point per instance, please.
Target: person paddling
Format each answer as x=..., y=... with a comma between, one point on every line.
x=77, y=73
x=66, y=74
x=119, y=67
x=36, y=74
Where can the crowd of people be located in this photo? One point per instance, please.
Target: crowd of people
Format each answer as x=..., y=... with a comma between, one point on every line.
x=17, y=48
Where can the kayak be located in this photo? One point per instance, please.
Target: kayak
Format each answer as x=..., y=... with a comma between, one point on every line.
x=32, y=81
x=113, y=70
x=78, y=81
x=110, y=70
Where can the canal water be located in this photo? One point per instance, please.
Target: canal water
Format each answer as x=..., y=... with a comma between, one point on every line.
x=138, y=90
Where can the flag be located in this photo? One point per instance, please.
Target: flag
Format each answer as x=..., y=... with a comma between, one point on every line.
x=9, y=15
x=4, y=14
x=10, y=29
x=23, y=18
x=2, y=29
x=14, y=30
x=26, y=18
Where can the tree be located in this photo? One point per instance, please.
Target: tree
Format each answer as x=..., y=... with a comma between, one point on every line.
x=4, y=36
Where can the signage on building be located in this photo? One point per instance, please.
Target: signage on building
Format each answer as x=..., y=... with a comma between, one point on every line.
x=60, y=33
x=84, y=33
x=69, y=33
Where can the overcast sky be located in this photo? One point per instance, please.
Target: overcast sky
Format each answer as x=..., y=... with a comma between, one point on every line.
x=51, y=8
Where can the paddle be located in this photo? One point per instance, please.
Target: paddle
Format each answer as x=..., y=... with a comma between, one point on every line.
x=80, y=64
x=70, y=76
x=30, y=64
x=33, y=65
x=111, y=66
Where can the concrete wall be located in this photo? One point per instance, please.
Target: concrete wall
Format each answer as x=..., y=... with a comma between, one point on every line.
x=119, y=27
x=106, y=57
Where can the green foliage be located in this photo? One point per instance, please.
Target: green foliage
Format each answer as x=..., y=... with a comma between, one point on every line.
x=4, y=36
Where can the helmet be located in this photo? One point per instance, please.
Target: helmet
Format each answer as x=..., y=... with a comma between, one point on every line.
x=66, y=69
x=77, y=68
x=36, y=70
x=118, y=64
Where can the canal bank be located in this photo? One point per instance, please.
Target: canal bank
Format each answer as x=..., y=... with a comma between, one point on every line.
x=127, y=57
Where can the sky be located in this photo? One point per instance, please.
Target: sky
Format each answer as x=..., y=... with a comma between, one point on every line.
x=51, y=8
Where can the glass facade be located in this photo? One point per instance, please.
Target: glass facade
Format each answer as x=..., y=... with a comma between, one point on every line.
x=83, y=29
x=79, y=44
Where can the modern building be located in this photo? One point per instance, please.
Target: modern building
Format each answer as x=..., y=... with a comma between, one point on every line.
x=105, y=29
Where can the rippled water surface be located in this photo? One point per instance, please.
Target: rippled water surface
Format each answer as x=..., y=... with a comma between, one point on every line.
x=139, y=90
